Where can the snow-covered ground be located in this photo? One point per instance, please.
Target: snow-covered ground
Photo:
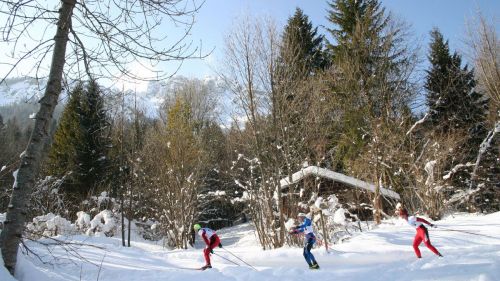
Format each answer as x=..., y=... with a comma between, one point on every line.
x=384, y=253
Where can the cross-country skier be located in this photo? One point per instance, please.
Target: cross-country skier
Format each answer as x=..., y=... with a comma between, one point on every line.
x=306, y=227
x=211, y=240
x=422, y=233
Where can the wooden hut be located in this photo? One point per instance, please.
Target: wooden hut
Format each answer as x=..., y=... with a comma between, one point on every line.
x=354, y=194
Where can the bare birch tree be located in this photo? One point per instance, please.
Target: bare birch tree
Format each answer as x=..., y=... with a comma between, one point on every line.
x=485, y=46
x=98, y=38
x=251, y=50
x=173, y=162
x=283, y=113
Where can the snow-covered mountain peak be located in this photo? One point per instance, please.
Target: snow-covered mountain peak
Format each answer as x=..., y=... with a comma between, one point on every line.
x=16, y=90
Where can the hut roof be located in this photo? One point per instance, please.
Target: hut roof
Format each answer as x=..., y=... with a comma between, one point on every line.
x=338, y=177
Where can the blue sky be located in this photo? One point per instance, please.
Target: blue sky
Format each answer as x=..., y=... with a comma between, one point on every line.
x=216, y=16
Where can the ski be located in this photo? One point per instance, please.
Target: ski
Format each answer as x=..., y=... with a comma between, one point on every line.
x=191, y=268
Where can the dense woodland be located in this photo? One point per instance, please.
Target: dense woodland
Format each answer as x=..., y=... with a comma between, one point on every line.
x=355, y=104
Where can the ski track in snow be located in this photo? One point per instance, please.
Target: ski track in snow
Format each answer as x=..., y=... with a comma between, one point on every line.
x=384, y=253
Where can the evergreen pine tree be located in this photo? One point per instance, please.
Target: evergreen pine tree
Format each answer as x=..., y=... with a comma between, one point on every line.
x=369, y=62
x=451, y=97
x=80, y=143
x=456, y=107
x=301, y=56
x=62, y=154
x=93, y=119
x=346, y=16
x=302, y=47
x=216, y=206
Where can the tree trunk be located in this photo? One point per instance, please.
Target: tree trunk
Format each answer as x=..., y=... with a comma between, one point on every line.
x=122, y=208
x=323, y=226
x=30, y=161
x=129, y=216
x=281, y=217
x=377, y=205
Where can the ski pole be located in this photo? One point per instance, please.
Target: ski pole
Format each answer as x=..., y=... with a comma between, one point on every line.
x=240, y=259
x=226, y=259
x=463, y=231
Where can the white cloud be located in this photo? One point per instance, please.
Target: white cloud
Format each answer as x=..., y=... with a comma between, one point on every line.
x=143, y=71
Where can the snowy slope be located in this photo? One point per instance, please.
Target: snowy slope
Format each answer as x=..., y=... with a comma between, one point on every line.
x=381, y=254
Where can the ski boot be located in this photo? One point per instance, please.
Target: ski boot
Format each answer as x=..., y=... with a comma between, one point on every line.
x=206, y=267
x=314, y=266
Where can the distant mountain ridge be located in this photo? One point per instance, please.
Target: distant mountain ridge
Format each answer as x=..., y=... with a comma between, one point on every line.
x=29, y=90
x=21, y=90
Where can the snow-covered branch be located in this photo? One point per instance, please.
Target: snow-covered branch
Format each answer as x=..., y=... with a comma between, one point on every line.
x=417, y=123
x=484, y=147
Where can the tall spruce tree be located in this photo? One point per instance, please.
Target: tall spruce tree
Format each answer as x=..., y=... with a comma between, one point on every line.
x=216, y=207
x=301, y=56
x=456, y=107
x=346, y=16
x=371, y=89
x=302, y=47
x=451, y=97
x=370, y=56
x=370, y=61
x=300, y=60
x=81, y=143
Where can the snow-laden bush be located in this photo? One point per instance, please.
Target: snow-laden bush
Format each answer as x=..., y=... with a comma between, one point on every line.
x=339, y=223
x=96, y=204
x=50, y=225
x=47, y=197
x=103, y=223
x=289, y=224
x=149, y=230
x=83, y=221
x=101, y=215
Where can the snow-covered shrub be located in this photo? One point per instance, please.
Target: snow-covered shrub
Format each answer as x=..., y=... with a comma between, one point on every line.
x=96, y=204
x=82, y=223
x=149, y=230
x=289, y=224
x=221, y=201
x=49, y=225
x=339, y=222
x=104, y=222
x=47, y=197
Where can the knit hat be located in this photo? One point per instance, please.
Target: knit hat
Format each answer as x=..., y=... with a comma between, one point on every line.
x=196, y=227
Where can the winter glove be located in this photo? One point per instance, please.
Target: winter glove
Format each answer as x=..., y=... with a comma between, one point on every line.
x=220, y=245
x=211, y=251
x=433, y=225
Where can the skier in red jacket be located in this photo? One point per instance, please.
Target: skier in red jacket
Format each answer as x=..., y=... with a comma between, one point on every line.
x=211, y=240
x=422, y=233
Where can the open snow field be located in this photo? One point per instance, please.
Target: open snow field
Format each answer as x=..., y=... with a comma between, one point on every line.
x=384, y=253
